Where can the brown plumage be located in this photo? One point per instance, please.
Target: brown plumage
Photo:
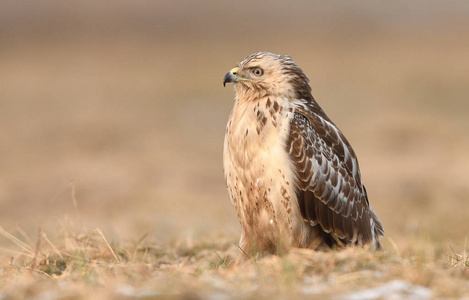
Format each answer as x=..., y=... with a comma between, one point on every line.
x=292, y=176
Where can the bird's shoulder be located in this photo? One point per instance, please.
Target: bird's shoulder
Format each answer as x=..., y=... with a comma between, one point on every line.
x=313, y=130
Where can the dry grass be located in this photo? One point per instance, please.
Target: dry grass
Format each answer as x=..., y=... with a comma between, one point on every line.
x=83, y=264
x=459, y=260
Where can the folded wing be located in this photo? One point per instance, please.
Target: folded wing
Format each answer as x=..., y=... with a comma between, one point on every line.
x=329, y=188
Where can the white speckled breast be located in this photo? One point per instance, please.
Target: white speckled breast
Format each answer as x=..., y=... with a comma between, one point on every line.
x=259, y=175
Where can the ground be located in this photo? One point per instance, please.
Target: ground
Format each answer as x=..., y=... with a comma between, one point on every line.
x=111, y=157
x=87, y=266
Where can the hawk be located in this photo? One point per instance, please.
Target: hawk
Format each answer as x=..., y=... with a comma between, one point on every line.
x=291, y=174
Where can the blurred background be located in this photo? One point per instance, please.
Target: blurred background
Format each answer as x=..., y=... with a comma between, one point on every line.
x=112, y=113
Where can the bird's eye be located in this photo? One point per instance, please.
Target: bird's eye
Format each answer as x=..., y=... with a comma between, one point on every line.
x=257, y=71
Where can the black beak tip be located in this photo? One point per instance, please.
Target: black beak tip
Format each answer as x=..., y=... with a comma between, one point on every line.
x=228, y=78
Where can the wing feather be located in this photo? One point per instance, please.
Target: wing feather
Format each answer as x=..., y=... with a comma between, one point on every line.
x=330, y=192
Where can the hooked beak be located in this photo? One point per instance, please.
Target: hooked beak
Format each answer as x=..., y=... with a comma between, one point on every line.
x=231, y=76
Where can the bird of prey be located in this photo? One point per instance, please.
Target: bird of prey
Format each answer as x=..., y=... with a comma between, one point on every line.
x=291, y=174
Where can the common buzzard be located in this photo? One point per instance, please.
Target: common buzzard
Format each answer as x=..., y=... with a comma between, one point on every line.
x=291, y=174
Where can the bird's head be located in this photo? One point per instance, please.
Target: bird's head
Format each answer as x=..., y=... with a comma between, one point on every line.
x=262, y=74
